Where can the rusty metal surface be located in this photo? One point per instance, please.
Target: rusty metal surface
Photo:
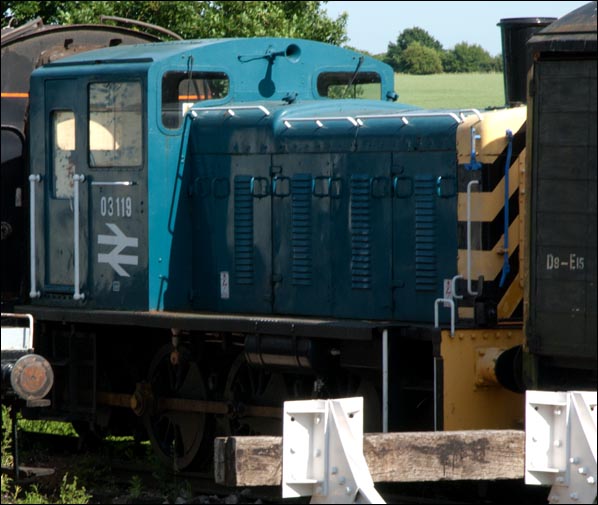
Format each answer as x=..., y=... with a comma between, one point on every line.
x=581, y=20
x=574, y=32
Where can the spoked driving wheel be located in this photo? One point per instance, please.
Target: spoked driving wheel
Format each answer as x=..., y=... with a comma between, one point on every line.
x=175, y=434
x=257, y=396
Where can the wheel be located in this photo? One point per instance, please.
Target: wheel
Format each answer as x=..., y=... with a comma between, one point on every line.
x=247, y=385
x=176, y=436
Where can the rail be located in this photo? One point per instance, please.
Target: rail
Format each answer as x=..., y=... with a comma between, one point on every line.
x=358, y=121
x=142, y=24
x=77, y=178
x=231, y=110
x=33, y=292
x=405, y=117
x=17, y=338
x=451, y=304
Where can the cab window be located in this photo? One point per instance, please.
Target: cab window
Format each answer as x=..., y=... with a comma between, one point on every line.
x=366, y=85
x=115, y=124
x=63, y=133
x=180, y=90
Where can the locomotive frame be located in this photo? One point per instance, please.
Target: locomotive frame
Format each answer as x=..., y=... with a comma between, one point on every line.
x=142, y=205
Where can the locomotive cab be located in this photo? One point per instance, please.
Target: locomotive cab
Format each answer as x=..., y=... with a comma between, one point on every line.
x=106, y=176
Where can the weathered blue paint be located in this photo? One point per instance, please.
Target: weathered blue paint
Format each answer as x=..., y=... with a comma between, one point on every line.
x=344, y=218
x=258, y=69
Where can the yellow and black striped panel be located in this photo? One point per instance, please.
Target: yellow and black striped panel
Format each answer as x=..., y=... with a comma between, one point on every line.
x=487, y=208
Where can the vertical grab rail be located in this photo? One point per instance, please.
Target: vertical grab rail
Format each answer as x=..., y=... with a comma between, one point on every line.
x=506, y=268
x=33, y=293
x=451, y=303
x=76, y=179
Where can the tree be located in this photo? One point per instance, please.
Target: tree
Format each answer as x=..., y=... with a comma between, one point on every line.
x=469, y=58
x=404, y=40
x=196, y=19
x=421, y=60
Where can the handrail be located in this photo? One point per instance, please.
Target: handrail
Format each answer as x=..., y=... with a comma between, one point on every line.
x=230, y=109
x=454, y=287
x=385, y=116
x=29, y=318
x=142, y=24
x=475, y=111
x=506, y=267
x=411, y=115
x=358, y=121
x=452, y=306
x=76, y=179
x=318, y=120
x=33, y=178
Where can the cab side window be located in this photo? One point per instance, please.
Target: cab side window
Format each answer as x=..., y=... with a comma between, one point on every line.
x=63, y=134
x=180, y=90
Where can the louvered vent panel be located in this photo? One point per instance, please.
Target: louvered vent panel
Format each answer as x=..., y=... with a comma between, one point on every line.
x=244, y=265
x=361, y=276
x=301, y=230
x=425, y=234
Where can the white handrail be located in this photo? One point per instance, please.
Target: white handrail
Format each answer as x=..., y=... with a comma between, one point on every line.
x=318, y=120
x=475, y=111
x=33, y=178
x=231, y=108
x=454, y=287
x=452, y=306
x=76, y=179
x=405, y=115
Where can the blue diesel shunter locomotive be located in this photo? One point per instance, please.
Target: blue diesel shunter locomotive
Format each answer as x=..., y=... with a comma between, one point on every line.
x=220, y=225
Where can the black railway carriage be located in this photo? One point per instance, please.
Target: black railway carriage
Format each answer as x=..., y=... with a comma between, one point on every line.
x=561, y=317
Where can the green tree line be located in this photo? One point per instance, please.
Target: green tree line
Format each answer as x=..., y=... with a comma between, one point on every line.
x=195, y=19
x=415, y=50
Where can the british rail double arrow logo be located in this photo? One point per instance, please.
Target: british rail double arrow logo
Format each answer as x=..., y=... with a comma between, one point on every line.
x=114, y=258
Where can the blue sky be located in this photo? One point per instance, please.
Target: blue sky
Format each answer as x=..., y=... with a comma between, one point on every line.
x=372, y=25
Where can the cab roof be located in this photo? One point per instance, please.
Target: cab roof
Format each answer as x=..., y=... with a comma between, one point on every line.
x=278, y=65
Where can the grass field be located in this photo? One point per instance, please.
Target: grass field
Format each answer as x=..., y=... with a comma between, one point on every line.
x=448, y=91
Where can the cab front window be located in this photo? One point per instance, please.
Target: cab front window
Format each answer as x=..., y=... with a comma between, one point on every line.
x=366, y=85
x=115, y=124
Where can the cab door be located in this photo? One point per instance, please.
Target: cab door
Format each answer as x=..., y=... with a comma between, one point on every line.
x=66, y=225
x=95, y=181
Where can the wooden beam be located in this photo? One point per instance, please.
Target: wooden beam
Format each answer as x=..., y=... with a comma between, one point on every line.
x=391, y=457
x=248, y=461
